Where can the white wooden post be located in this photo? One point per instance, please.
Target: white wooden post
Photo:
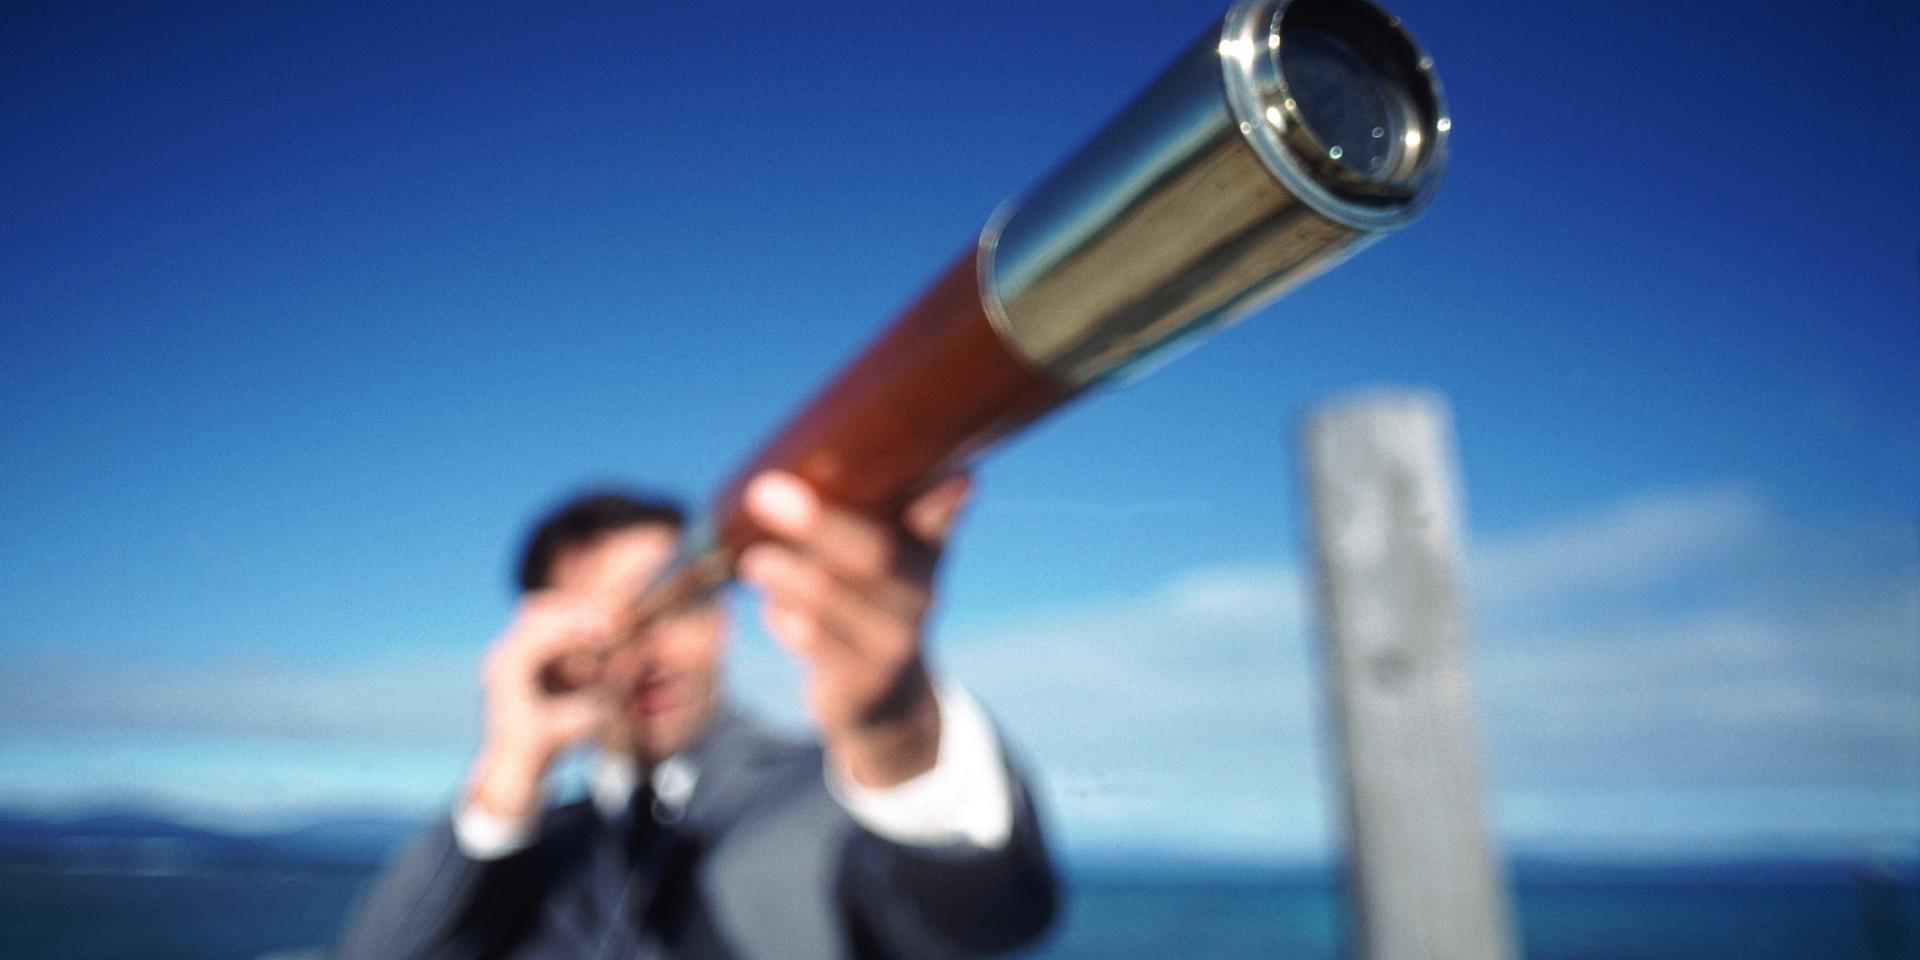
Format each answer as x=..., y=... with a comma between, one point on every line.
x=1425, y=881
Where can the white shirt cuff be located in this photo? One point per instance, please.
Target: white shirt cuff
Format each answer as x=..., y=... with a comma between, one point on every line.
x=966, y=798
x=482, y=836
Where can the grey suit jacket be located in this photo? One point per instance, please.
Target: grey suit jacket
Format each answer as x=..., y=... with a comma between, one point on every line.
x=762, y=864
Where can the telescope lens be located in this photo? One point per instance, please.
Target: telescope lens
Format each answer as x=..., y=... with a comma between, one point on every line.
x=1348, y=105
x=1339, y=103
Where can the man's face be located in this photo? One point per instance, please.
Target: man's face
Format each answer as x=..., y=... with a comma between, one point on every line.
x=666, y=684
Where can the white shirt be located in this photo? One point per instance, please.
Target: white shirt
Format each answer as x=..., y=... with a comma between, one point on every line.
x=966, y=798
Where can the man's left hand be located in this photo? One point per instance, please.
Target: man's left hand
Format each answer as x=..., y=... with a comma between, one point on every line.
x=848, y=596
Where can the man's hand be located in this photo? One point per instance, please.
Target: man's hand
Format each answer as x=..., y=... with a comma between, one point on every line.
x=848, y=596
x=527, y=724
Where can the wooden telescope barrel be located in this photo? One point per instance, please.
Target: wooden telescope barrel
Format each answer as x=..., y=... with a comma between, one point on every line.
x=934, y=388
x=1280, y=142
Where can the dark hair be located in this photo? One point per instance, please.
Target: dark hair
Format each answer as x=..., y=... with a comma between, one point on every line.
x=580, y=520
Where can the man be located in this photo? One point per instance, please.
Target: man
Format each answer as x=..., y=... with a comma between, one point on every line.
x=902, y=833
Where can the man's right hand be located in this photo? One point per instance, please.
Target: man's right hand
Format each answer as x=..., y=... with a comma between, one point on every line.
x=529, y=725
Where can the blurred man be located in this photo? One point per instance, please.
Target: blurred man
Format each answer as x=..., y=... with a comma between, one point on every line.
x=902, y=833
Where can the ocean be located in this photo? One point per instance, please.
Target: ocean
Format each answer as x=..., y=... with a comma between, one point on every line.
x=286, y=909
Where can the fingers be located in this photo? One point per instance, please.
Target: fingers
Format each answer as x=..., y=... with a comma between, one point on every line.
x=578, y=714
x=861, y=662
x=855, y=546
x=859, y=547
x=848, y=594
x=816, y=614
x=823, y=550
x=551, y=639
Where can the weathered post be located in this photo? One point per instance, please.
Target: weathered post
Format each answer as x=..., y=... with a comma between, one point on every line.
x=1425, y=882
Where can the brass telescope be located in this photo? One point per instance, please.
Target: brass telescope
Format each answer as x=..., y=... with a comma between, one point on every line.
x=1278, y=144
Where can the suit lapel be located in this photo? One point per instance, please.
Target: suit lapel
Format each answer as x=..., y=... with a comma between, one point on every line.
x=735, y=761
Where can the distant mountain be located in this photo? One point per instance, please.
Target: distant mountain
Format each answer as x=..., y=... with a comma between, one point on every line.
x=140, y=841
x=366, y=839
x=104, y=826
x=114, y=840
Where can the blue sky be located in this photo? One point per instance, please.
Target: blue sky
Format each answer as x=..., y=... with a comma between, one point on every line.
x=305, y=310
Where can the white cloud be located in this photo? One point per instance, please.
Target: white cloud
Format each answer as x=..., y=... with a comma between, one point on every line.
x=1634, y=544
x=1792, y=657
x=1775, y=690
x=1788, y=672
x=1140, y=712
x=227, y=781
x=1106, y=511
x=415, y=699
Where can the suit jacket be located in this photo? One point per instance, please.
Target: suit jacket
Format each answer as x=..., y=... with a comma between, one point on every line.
x=762, y=863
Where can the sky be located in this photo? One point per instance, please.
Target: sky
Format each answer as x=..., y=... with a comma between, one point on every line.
x=306, y=310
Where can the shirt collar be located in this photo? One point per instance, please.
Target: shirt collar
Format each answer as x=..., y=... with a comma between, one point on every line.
x=615, y=777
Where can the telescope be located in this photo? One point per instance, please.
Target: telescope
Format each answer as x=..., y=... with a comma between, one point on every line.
x=1282, y=141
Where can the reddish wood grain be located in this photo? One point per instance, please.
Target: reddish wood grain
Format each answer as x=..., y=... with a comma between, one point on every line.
x=933, y=390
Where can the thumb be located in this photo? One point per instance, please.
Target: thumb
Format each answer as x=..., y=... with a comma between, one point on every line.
x=930, y=516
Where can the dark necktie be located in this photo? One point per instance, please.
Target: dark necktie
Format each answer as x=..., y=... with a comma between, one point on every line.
x=622, y=876
x=642, y=895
